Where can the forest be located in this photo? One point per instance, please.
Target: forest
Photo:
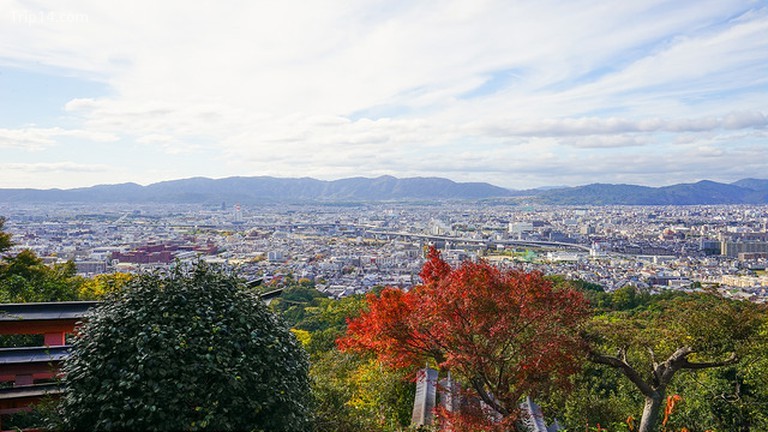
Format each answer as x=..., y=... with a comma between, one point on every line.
x=621, y=361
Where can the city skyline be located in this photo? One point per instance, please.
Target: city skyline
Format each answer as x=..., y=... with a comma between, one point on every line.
x=518, y=95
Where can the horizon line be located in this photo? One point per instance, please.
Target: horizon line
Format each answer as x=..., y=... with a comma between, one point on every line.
x=201, y=177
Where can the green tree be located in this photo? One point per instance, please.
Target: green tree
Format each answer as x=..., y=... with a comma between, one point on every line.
x=357, y=393
x=294, y=301
x=652, y=340
x=186, y=350
x=323, y=318
x=352, y=392
x=100, y=285
x=25, y=278
x=5, y=238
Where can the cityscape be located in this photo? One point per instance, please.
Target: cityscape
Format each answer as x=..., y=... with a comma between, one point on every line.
x=384, y=216
x=349, y=248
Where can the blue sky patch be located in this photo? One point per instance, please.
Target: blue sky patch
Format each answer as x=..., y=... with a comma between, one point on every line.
x=29, y=97
x=496, y=82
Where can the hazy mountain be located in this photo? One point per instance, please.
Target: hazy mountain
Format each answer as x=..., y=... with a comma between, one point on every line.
x=253, y=190
x=754, y=184
x=703, y=192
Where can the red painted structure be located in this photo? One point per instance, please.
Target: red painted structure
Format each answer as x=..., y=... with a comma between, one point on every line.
x=32, y=369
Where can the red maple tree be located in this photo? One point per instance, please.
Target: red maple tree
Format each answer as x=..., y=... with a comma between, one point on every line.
x=503, y=333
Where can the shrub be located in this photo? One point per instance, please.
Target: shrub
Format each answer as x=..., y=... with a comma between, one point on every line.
x=186, y=350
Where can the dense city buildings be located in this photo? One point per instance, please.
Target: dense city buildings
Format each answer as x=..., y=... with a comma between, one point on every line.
x=738, y=243
x=346, y=248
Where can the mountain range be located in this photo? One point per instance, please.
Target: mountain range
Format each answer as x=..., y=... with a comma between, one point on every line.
x=255, y=190
x=745, y=191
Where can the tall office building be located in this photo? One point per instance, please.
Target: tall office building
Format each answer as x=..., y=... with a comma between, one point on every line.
x=238, y=214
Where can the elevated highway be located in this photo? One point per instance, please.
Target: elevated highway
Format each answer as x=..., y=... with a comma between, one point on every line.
x=430, y=237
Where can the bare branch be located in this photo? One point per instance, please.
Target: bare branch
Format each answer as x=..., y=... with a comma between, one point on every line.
x=653, y=357
x=679, y=355
x=732, y=359
x=487, y=398
x=679, y=360
x=665, y=371
x=623, y=352
x=626, y=369
x=656, y=371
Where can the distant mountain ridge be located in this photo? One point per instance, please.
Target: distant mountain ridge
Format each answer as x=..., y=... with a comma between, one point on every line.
x=754, y=184
x=700, y=193
x=255, y=190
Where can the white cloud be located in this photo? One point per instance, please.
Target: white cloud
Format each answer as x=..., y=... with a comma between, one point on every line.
x=613, y=125
x=155, y=139
x=65, y=174
x=477, y=89
x=610, y=141
x=27, y=139
x=80, y=104
x=36, y=139
x=745, y=119
x=53, y=167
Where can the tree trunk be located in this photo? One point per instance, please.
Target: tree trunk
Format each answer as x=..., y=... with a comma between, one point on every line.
x=651, y=412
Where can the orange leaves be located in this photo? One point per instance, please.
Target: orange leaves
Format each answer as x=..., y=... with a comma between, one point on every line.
x=631, y=424
x=435, y=269
x=508, y=330
x=387, y=329
x=670, y=407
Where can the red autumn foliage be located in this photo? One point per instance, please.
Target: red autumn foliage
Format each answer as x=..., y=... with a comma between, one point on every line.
x=505, y=333
x=473, y=418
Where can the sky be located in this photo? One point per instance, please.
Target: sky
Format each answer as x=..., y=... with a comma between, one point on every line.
x=519, y=94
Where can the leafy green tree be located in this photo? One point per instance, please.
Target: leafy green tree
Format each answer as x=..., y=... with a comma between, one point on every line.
x=730, y=398
x=352, y=392
x=186, y=350
x=293, y=303
x=25, y=278
x=598, y=395
x=5, y=238
x=100, y=285
x=324, y=319
x=652, y=340
x=358, y=393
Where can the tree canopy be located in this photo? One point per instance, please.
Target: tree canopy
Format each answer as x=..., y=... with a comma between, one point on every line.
x=24, y=277
x=353, y=391
x=186, y=350
x=650, y=341
x=504, y=333
x=5, y=238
